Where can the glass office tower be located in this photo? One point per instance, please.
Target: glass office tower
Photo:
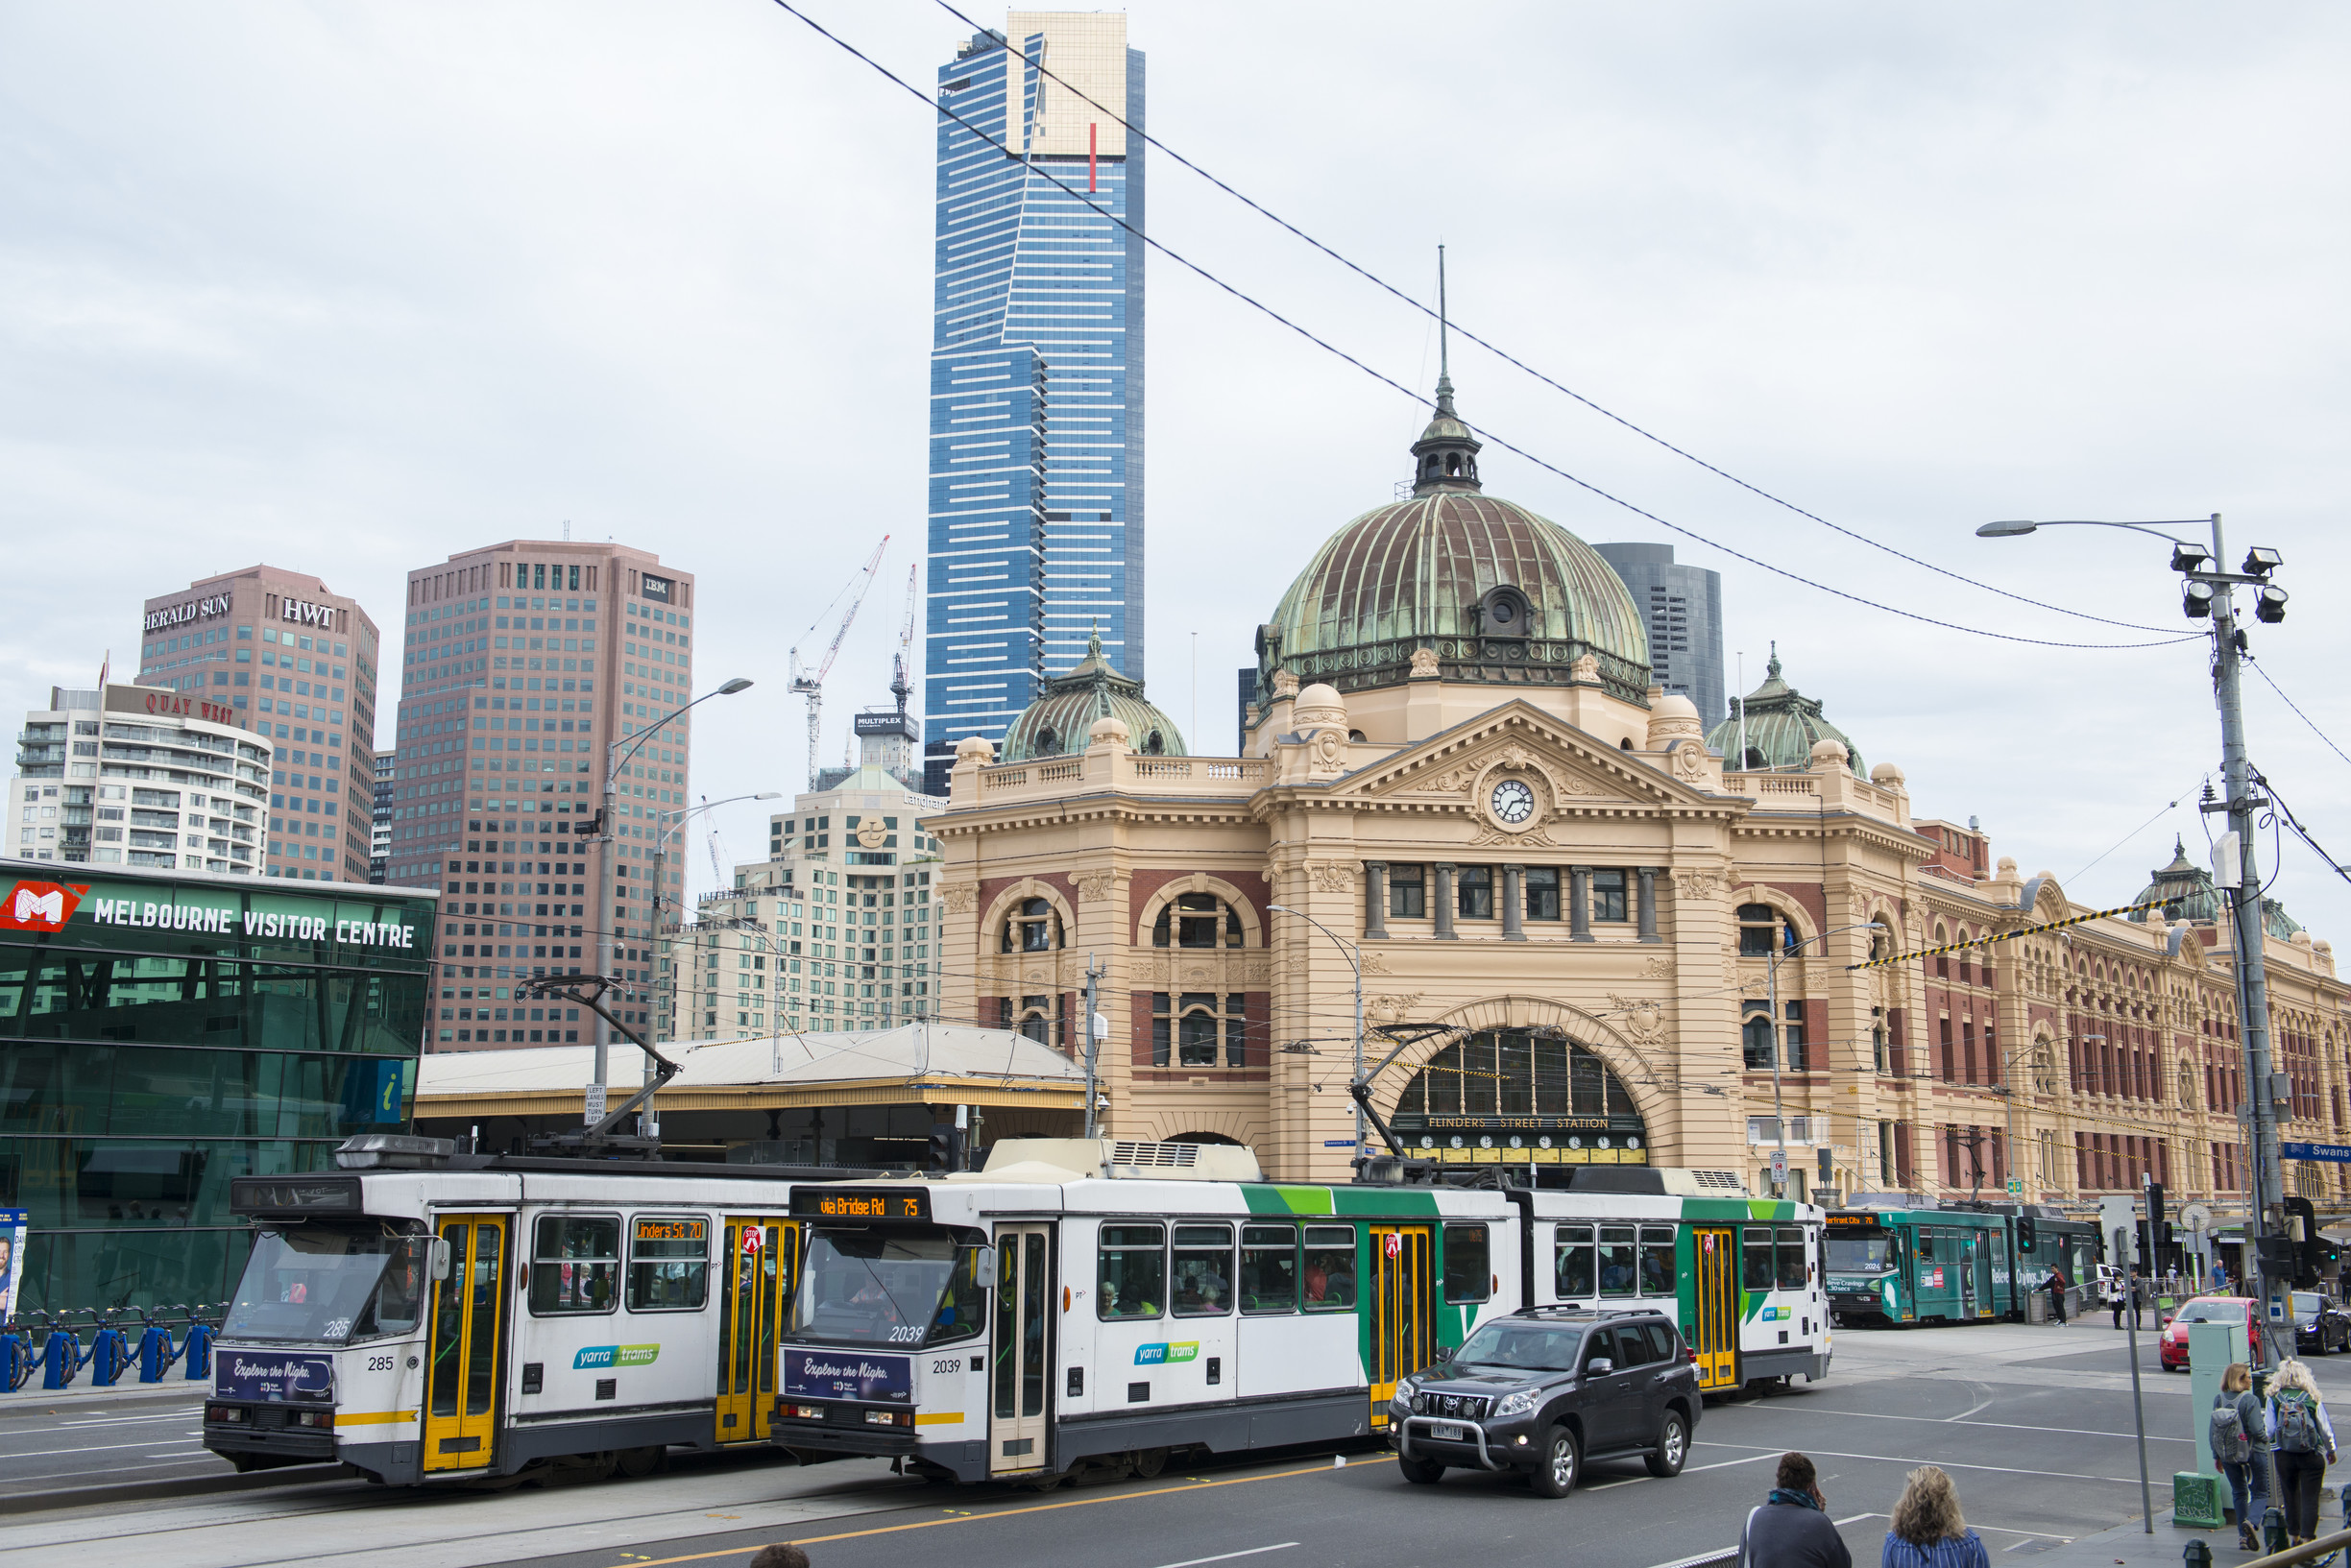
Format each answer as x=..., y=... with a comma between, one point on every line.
x=1037, y=529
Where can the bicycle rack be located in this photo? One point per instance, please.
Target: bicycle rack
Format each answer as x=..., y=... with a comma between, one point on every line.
x=62, y=1356
x=109, y=1351
x=18, y=1358
x=156, y=1355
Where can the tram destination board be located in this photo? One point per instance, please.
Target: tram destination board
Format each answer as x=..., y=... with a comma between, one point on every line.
x=859, y=1203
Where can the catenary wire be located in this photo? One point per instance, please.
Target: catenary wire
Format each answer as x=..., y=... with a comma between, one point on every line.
x=1390, y=382
x=2298, y=710
x=1507, y=358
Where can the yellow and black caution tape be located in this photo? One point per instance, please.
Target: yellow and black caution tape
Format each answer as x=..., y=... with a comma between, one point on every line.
x=2008, y=936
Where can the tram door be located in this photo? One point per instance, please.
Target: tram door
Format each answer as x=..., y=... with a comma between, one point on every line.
x=763, y=1257
x=1020, y=1352
x=1714, y=1328
x=469, y=1344
x=1404, y=1313
x=1970, y=1258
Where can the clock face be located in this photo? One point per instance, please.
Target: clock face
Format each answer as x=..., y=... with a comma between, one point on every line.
x=1512, y=801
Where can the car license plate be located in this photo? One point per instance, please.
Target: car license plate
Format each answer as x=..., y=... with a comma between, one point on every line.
x=1447, y=1432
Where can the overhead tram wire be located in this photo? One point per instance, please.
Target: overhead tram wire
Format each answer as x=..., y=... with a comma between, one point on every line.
x=1513, y=360
x=1390, y=382
x=2298, y=710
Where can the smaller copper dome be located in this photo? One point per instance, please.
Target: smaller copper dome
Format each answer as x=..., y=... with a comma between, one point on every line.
x=1062, y=720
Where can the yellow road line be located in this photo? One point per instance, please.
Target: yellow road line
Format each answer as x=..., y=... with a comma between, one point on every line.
x=998, y=1513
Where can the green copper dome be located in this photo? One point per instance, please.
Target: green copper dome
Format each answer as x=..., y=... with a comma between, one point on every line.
x=1493, y=591
x=2187, y=891
x=1059, y=723
x=1782, y=727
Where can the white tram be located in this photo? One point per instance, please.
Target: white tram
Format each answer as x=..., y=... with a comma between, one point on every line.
x=468, y=1317
x=1094, y=1305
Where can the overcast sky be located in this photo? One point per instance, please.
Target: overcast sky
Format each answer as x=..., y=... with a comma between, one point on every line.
x=350, y=287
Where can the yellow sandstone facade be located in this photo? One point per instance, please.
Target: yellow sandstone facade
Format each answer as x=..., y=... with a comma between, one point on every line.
x=1567, y=912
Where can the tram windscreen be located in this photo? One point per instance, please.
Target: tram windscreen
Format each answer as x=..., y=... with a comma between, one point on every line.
x=1523, y=1347
x=887, y=1288
x=1860, y=1254
x=330, y=1283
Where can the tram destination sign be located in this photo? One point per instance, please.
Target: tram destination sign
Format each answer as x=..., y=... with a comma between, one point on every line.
x=859, y=1203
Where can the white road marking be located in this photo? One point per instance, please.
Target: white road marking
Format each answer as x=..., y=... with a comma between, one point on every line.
x=177, y=1454
x=1227, y=1557
x=1997, y=1529
x=100, y=1448
x=1952, y=1465
x=180, y=1414
x=2006, y=1426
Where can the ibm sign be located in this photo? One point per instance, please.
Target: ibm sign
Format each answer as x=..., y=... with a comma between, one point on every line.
x=657, y=588
x=188, y=611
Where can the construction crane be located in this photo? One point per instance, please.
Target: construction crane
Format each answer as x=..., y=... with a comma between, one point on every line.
x=901, y=679
x=810, y=683
x=718, y=849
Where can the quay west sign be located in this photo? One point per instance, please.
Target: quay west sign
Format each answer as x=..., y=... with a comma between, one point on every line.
x=188, y=611
x=140, y=699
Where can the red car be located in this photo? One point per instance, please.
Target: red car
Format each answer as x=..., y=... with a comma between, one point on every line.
x=2204, y=1308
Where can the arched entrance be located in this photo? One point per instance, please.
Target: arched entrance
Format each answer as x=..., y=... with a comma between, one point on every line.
x=1520, y=1096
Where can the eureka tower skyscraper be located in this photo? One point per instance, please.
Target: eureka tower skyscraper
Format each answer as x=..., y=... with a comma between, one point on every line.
x=1037, y=524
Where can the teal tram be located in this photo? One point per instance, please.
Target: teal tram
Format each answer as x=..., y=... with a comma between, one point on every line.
x=1900, y=1262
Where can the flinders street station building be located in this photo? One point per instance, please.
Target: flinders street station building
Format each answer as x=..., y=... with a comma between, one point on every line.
x=1573, y=911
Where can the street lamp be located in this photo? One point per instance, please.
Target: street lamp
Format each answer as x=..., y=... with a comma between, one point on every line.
x=615, y=760
x=671, y=822
x=2209, y=595
x=1781, y=952
x=1354, y=959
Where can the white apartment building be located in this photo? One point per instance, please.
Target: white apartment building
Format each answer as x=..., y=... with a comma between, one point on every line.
x=837, y=929
x=133, y=775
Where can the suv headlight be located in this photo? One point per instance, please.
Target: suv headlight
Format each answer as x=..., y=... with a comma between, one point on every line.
x=1520, y=1403
x=1402, y=1398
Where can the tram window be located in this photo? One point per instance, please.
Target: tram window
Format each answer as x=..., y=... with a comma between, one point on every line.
x=1793, y=1275
x=1755, y=1270
x=574, y=1258
x=1572, y=1261
x=1133, y=1270
x=1330, y=1268
x=1203, y=1270
x=668, y=1264
x=1925, y=1246
x=1656, y=1259
x=1468, y=1269
x=1619, y=1267
x=1268, y=1269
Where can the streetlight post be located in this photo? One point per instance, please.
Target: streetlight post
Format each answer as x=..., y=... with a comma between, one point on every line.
x=2207, y=593
x=1354, y=959
x=1771, y=990
x=615, y=760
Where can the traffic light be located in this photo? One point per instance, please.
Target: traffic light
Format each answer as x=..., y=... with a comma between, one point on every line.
x=2155, y=1206
x=2302, y=1230
x=593, y=826
x=941, y=1153
x=2024, y=1233
x=1827, y=1166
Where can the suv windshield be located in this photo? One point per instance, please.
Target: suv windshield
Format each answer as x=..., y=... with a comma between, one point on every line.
x=330, y=1283
x=867, y=1286
x=1522, y=1346
x=1860, y=1254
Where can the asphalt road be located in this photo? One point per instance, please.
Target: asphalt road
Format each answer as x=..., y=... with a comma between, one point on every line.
x=2035, y=1425
x=148, y=1436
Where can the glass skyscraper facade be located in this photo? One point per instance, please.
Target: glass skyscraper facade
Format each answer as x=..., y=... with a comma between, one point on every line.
x=1037, y=524
x=1681, y=606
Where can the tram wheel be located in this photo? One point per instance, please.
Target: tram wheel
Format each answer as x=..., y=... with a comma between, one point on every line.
x=1149, y=1461
x=638, y=1462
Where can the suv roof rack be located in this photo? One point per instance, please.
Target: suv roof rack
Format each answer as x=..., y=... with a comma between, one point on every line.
x=1572, y=1309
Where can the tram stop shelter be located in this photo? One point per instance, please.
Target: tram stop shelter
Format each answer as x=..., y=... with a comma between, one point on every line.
x=863, y=1099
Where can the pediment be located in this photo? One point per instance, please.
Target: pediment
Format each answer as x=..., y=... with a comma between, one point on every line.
x=1521, y=740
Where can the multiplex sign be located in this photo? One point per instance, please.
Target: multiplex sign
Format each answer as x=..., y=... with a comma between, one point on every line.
x=302, y=613
x=139, y=699
x=189, y=611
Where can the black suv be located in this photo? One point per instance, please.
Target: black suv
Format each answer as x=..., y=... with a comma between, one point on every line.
x=1544, y=1390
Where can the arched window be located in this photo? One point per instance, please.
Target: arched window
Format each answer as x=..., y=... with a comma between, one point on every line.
x=1626, y=744
x=1186, y=1027
x=1048, y=741
x=1197, y=920
x=1756, y=759
x=1154, y=744
x=1033, y=928
x=1758, y=925
x=1755, y=1037
x=1037, y=1021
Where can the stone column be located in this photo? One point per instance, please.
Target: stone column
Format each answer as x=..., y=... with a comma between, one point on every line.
x=1441, y=897
x=1578, y=912
x=1648, y=904
x=1376, y=899
x=1514, y=904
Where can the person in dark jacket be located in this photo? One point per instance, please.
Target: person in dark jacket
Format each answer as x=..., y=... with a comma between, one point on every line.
x=2248, y=1479
x=1791, y=1528
x=1929, y=1531
x=2056, y=1287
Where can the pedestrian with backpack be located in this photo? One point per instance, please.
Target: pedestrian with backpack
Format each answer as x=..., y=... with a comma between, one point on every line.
x=2304, y=1441
x=1791, y=1529
x=2240, y=1436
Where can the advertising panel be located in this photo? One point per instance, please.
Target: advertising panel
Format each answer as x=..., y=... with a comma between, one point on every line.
x=13, y=1222
x=848, y=1374
x=268, y=1375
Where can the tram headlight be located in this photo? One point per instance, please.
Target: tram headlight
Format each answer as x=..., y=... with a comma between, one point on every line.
x=1520, y=1403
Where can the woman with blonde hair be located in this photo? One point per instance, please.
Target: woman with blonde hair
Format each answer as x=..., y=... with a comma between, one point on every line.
x=1929, y=1531
x=2303, y=1446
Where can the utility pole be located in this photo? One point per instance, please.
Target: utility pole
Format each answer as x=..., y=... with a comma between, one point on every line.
x=1094, y=1033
